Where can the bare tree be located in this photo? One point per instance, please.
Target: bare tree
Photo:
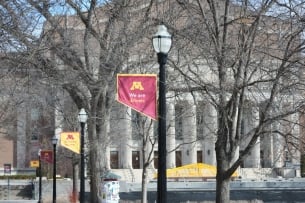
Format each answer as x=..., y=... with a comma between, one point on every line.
x=238, y=56
x=23, y=107
x=144, y=131
x=231, y=54
x=80, y=53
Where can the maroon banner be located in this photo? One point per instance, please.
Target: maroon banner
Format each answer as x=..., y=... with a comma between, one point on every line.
x=46, y=156
x=138, y=91
x=7, y=168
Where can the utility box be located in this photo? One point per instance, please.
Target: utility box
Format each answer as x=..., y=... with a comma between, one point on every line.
x=110, y=188
x=110, y=191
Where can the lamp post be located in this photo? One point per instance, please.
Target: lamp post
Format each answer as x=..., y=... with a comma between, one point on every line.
x=82, y=118
x=54, y=142
x=39, y=173
x=162, y=43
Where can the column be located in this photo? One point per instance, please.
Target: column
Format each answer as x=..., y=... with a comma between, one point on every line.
x=210, y=129
x=267, y=149
x=106, y=145
x=235, y=156
x=189, y=131
x=296, y=132
x=250, y=122
x=171, y=141
x=149, y=147
x=107, y=157
x=125, y=131
x=278, y=146
x=21, y=136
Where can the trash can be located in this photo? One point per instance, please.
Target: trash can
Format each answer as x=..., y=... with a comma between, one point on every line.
x=110, y=188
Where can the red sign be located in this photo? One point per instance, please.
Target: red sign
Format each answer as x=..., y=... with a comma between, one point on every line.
x=138, y=91
x=7, y=168
x=46, y=156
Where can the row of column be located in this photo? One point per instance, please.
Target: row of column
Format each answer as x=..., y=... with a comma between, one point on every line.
x=269, y=150
x=189, y=144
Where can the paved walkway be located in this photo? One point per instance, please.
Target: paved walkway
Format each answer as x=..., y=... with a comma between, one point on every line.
x=64, y=190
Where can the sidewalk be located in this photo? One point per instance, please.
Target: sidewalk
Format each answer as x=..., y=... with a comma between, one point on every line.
x=22, y=191
x=64, y=190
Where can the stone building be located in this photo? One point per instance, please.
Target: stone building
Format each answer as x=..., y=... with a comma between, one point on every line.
x=191, y=139
x=191, y=119
x=27, y=118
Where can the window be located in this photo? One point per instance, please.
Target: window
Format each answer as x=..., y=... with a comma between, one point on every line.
x=156, y=159
x=262, y=158
x=178, y=122
x=135, y=159
x=178, y=158
x=199, y=157
x=35, y=114
x=242, y=165
x=114, y=159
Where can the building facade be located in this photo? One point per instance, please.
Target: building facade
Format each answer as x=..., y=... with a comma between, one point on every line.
x=191, y=137
x=192, y=120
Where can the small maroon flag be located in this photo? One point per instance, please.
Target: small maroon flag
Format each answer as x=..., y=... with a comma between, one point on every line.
x=138, y=91
x=46, y=156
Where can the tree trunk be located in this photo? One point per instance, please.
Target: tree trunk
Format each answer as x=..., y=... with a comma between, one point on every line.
x=94, y=180
x=99, y=141
x=98, y=164
x=144, y=185
x=222, y=190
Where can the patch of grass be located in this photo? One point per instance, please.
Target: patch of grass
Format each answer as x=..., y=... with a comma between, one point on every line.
x=20, y=176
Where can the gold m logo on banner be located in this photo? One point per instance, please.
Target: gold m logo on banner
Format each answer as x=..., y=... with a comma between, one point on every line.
x=137, y=86
x=71, y=141
x=34, y=163
x=138, y=91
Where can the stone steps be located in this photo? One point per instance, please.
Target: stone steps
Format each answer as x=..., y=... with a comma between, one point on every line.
x=133, y=175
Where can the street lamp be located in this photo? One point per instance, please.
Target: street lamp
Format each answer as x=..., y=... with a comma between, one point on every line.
x=162, y=41
x=82, y=118
x=54, y=142
x=39, y=173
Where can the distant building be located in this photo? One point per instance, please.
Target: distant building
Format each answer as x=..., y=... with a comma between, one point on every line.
x=192, y=125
